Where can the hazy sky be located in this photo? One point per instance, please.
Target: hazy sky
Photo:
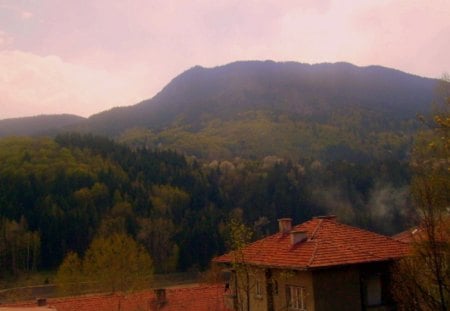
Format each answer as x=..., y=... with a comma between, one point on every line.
x=82, y=57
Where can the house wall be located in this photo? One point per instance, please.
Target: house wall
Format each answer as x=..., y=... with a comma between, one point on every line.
x=258, y=302
x=285, y=278
x=247, y=288
x=337, y=289
x=346, y=288
x=381, y=271
x=351, y=288
x=275, y=292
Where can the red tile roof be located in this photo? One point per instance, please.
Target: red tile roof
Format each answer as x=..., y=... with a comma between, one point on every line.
x=329, y=243
x=198, y=298
x=420, y=234
x=26, y=309
x=410, y=235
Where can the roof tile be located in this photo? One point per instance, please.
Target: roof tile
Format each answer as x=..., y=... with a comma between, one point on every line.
x=329, y=243
x=198, y=298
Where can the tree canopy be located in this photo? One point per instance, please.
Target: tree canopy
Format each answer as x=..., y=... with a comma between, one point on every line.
x=66, y=191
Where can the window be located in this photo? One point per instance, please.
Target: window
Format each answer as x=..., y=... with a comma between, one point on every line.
x=258, y=289
x=275, y=287
x=296, y=298
x=373, y=290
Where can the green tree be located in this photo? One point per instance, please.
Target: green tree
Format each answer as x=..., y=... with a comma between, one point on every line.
x=118, y=220
x=239, y=235
x=115, y=264
x=118, y=263
x=19, y=247
x=156, y=235
x=70, y=276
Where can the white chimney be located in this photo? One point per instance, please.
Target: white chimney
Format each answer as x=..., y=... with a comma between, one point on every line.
x=285, y=225
x=298, y=236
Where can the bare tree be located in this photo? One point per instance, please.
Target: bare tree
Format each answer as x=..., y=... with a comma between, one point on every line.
x=242, y=283
x=422, y=281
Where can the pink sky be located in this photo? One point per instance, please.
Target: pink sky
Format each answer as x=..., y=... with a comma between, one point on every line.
x=82, y=57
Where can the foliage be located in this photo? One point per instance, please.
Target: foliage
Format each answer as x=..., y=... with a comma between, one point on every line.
x=70, y=277
x=118, y=263
x=77, y=187
x=157, y=235
x=423, y=280
x=19, y=247
x=239, y=235
x=342, y=137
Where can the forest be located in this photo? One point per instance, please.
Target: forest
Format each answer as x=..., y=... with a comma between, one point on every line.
x=58, y=194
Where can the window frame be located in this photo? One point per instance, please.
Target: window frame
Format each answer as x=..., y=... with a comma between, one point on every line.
x=373, y=288
x=296, y=297
x=258, y=289
x=275, y=287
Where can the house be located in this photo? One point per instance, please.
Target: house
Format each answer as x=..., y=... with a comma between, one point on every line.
x=422, y=280
x=318, y=265
x=202, y=297
x=438, y=230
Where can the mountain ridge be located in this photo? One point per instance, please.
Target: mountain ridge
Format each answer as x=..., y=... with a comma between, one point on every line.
x=37, y=125
x=333, y=103
x=191, y=82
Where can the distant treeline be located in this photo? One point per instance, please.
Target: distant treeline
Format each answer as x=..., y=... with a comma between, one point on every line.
x=57, y=194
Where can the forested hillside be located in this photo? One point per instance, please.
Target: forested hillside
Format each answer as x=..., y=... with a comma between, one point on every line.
x=56, y=195
x=292, y=110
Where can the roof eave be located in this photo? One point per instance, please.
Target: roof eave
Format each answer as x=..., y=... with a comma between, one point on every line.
x=315, y=267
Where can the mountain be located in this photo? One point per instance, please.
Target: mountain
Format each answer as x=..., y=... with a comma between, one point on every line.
x=254, y=109
x=37, y=125
x=301, y=89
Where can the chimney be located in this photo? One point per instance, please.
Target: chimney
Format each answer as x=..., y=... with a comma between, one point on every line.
x=298, y=236
x=40, y=302
x=285, y=225
x=160, y=299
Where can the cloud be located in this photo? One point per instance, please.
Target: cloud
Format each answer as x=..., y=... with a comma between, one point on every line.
x=25, y=15
x=5, y=40
x=17, y=11
x=410, y=35
x=31, y=84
